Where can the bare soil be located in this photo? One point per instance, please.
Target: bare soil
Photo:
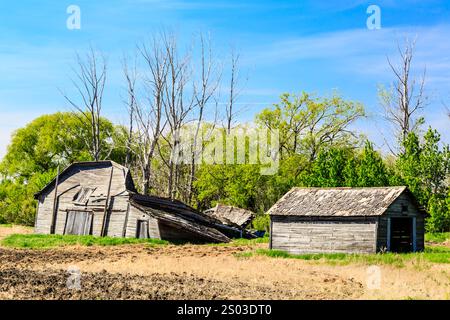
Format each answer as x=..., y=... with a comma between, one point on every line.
x=133, y=272
x=6, y=231
x=202, y=272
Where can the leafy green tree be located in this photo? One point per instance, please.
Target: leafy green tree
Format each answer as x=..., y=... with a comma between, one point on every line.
x=237, y=185
x=372, y=171
x=17, y=204
x=262, y=223
x=34, y=154
x=307, y=124
x=52, y=140
x=439, y=210
x=345, y=167
x=424, y=167
x=293, y=171
x=434, y=165
x=328, y=170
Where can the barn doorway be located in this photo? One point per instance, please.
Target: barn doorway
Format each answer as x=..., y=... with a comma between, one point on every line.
x=401, y=235
x=142, y=229
x=78, y=223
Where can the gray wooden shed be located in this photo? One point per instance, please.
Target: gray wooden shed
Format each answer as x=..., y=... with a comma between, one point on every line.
x=99, y=198
x=347, y=220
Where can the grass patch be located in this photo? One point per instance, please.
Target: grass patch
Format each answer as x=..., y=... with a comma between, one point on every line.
x=437, y=237
x=6, y=225
x=434, y=254
x=41, y=241
x=242, y=242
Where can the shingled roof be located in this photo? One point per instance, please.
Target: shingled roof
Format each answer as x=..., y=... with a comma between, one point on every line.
x=230, y=215
x=336, y=201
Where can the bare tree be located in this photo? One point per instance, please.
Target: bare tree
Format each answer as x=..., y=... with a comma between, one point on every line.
x=90, y=79
x=147, y=114
x=403, y=103
x=234, y=92
x=177, y=106
x=178, y=94
x=131, y=103
x=203, y=93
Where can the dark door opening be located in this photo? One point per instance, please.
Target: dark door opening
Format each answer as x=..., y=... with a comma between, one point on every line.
x=78, y=223
x=142, y=229
x=401, y=235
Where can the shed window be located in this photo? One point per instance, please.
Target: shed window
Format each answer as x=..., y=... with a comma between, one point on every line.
x=83, y=195
x=404, y=208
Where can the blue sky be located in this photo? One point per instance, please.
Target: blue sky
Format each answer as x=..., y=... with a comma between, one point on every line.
x=285, y=46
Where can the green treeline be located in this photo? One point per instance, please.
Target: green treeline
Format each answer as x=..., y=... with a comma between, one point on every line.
x=318, y=148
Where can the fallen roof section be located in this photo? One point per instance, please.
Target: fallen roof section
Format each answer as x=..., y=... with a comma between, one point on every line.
x=180, y=215
x=232, y=216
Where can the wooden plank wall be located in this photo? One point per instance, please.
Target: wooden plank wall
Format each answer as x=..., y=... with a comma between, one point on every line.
x=118, y=207
x=136, y=214
x=70, y=183
x=299, y=235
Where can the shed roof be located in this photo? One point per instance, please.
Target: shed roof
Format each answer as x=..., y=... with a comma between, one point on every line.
x=337, y=201
x=230, y=215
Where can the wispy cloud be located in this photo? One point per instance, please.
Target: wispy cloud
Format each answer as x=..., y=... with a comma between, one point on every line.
x=218, y=5
x=283, y=50
x=357, y=45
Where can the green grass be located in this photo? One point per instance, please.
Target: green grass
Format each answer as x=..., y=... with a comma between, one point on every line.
x=437, y=237
x=6, y=225
x=41, y=241
x=242, y=242
x=431, y=254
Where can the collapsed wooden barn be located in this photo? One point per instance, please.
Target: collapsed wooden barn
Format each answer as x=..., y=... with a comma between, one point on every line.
x=100, y=199
x=348, y=220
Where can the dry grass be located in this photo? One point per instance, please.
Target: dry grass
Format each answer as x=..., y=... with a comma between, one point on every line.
x=7, y=230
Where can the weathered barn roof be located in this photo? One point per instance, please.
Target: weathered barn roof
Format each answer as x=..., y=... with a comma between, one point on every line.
x=179, y=214
x=230, y=215
x=87, y=165
x=337, y=201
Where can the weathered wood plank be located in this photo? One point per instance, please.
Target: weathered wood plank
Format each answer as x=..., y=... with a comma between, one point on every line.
x=302, y=236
